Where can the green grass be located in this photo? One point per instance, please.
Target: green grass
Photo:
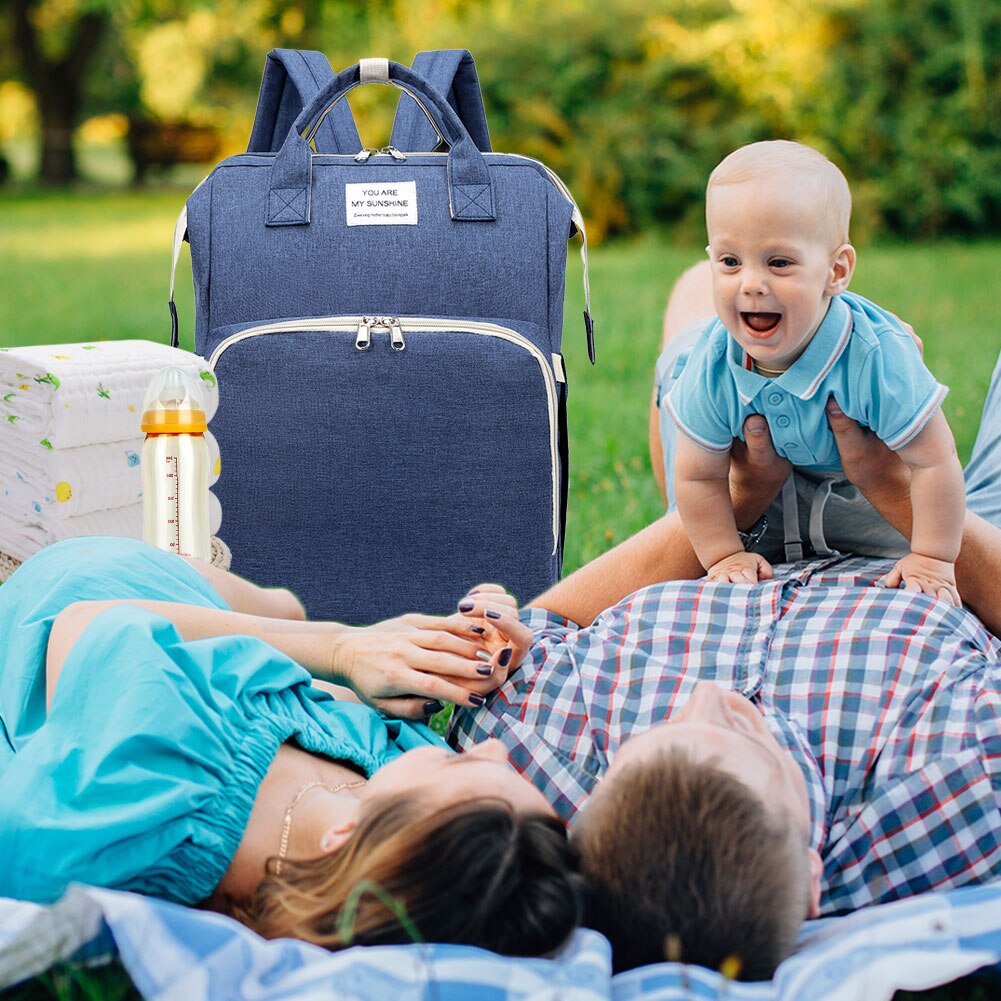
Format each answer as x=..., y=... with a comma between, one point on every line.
x=944, y=290
x=77, y=267
x=108, y=982
x=95, y=265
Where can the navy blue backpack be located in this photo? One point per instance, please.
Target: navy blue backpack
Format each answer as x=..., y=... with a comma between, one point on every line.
x=385, y=327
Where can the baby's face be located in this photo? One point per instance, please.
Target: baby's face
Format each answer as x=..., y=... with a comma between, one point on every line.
x=774, y=265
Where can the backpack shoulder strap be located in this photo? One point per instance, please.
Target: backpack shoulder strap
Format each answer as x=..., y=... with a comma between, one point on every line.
x=452, y=72
x=292, y=77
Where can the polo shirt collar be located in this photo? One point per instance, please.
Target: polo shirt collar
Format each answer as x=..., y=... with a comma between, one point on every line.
x=805, y=376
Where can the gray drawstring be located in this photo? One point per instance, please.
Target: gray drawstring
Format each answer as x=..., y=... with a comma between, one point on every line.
x=790, y=521
x=817, y=506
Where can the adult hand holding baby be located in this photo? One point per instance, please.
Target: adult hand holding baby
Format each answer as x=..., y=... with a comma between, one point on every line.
x=885, y=480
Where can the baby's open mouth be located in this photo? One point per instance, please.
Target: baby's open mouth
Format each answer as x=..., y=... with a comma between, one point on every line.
x=761, y=323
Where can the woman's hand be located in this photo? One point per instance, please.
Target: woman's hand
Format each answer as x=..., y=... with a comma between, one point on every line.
x=402, y=664
x=495, y=619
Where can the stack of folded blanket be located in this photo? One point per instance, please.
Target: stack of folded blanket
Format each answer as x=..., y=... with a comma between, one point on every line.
x=70, y=440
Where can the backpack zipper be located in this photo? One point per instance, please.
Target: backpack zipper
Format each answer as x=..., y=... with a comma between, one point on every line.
x=361, y=327
x=365, y=154
x=576, y=216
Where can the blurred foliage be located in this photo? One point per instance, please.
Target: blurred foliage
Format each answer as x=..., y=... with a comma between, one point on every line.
x=632, y=102
x=914, y=115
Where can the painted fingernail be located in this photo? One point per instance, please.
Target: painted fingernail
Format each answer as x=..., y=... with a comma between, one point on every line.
x=491, y=614
x=477, y=700
x=479, y=630
x=505, y=657
x=432, y=707
x=466, y=605
x=486, y=670
x=483, y=655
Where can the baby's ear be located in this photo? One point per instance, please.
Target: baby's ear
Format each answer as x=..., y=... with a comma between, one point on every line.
x=841, y=269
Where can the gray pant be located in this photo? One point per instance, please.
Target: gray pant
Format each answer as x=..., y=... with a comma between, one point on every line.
x=819, y=515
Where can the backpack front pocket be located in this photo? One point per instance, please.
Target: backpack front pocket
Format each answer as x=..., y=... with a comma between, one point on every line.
x=378, y=465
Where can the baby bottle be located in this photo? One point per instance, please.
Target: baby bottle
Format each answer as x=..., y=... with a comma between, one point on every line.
x=175, y=466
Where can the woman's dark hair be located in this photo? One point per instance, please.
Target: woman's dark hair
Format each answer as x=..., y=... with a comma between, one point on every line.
x=475, y=873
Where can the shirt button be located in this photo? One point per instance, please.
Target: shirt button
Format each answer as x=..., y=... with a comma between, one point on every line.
x=783, y=421
x=775, y=398
x=790, y=446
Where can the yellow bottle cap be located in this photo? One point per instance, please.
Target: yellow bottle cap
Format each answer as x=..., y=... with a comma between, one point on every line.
x=174, y=422
x=173, y=404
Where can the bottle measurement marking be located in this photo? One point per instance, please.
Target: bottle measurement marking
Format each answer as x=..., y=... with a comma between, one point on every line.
x=173, y=499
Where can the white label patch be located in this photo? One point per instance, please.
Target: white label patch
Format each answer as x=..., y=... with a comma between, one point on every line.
x=386, y=203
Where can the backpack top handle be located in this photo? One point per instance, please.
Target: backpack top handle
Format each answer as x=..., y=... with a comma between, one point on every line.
x=470, y=189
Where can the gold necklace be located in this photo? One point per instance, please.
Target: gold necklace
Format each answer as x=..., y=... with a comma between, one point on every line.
x=287, y=823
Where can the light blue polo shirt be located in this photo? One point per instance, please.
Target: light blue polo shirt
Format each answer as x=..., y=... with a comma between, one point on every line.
x=860, y=355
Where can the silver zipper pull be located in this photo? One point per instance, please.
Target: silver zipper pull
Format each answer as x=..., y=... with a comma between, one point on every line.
x=396, y=334
x=393, y=152
x=364, y=153
x=363, y=340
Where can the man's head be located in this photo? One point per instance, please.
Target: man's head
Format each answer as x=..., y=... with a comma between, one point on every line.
x=777, y=214
x=695, y=845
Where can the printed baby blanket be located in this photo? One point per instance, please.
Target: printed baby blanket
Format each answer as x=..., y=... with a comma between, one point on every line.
x=64, y=395
x=22, y=539
x=67, y=482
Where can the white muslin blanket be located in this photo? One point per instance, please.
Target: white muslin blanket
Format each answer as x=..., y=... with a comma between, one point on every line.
x=21, y=538
x=59, y=483
x=85, y=394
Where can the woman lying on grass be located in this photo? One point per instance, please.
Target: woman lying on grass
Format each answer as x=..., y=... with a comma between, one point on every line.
x=158, y=734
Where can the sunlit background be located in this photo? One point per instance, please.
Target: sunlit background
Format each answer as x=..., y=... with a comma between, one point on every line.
x=632, y=102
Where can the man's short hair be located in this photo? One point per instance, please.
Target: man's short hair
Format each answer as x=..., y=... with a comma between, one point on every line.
x=780, y=158
x=684, y=862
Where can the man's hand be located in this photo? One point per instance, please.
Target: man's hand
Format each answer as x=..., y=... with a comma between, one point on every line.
x=881, y=475
x=741, y=568
x=927, y=575
x=757, y=472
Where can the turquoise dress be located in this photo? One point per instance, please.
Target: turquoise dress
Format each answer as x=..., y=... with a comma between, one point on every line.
x=143, y=774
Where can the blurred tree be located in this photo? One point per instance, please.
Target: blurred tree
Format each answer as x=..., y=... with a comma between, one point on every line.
x=53, y=46
x=632, y=102
x=913, y=107
x=622, y=100
x=171, y=61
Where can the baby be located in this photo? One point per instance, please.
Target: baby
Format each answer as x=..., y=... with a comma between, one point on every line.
x=786, y=339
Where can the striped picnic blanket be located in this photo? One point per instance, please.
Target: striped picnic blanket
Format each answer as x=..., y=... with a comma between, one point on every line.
x=173, y=952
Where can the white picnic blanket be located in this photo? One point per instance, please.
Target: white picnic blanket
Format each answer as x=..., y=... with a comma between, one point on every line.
x=59, y=483
x=84, y=394
x=23, y=535
x=172, y=952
